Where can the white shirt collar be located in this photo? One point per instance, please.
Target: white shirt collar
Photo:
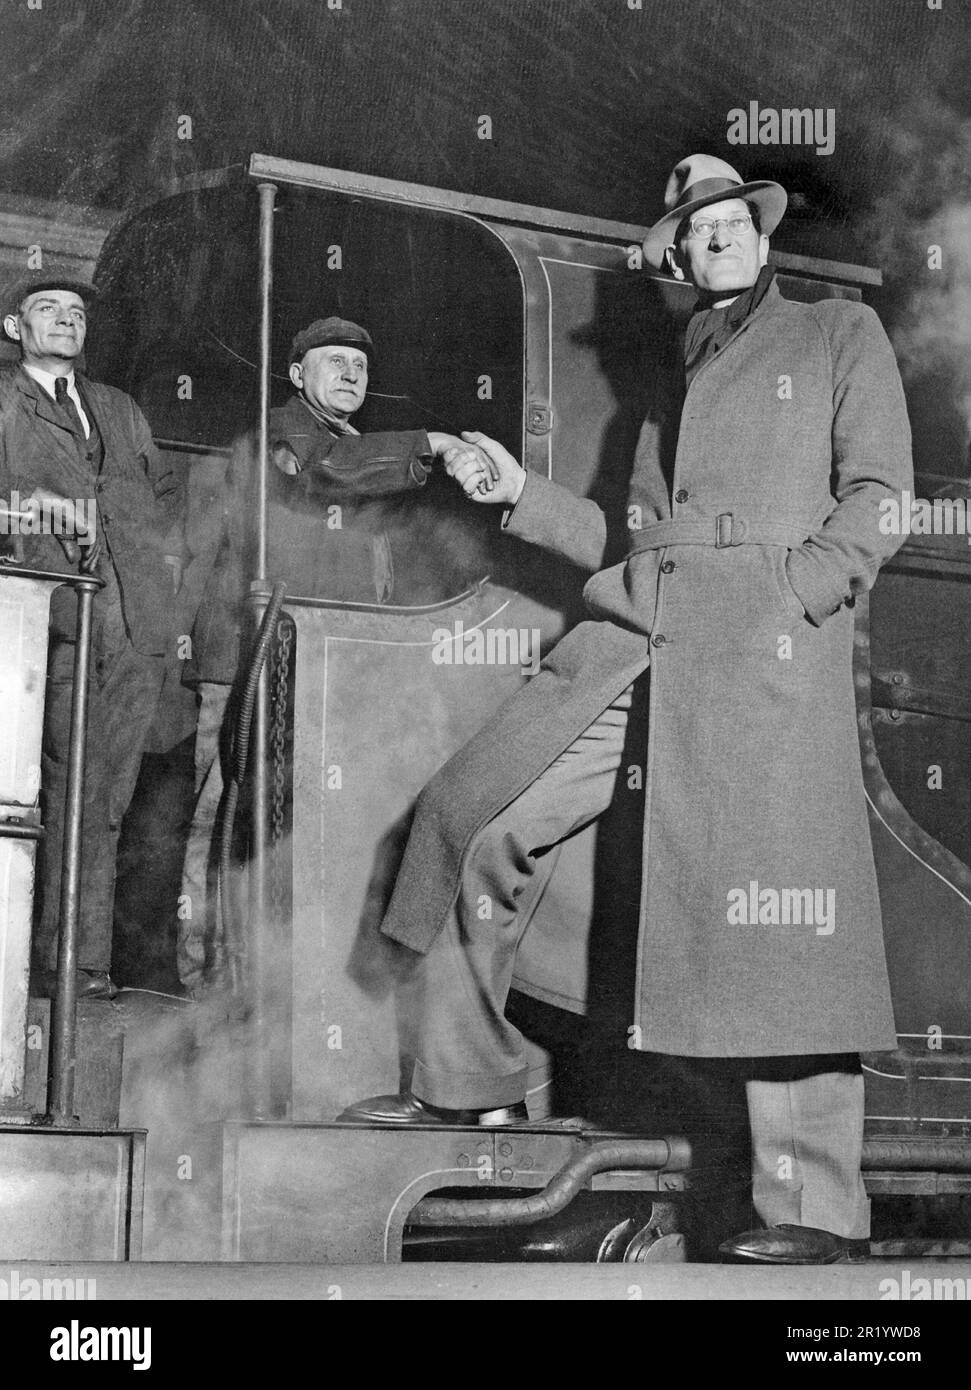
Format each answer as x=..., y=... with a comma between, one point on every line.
x=47, y=379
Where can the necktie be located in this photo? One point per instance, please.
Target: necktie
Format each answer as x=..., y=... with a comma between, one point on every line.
x=66, y=404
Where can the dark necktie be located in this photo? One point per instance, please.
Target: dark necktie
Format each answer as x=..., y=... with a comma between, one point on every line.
x=66, y=404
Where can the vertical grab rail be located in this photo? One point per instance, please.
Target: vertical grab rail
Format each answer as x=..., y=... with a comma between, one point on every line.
x=63, y=1050
x=260, y=1073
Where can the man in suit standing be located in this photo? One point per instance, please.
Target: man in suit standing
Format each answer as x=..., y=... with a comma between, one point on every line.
x=81, y=453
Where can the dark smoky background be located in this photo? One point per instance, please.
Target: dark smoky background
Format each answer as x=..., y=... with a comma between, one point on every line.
x=591, y=102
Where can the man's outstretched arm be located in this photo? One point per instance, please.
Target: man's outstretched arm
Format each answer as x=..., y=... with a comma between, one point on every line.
x=537, y=509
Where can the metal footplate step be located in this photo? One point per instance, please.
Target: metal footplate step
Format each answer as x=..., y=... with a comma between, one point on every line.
x=345, y=1193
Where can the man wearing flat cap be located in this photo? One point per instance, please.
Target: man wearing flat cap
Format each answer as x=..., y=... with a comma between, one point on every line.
x=760, y=948
x=326, y=537
x=82, y=450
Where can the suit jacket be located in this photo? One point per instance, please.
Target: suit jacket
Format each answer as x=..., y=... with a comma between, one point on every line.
x=138, y=497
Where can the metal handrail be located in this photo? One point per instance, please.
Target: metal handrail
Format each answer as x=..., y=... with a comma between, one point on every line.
x=260, y=1070
x=63, y=1049
x=62, y=1059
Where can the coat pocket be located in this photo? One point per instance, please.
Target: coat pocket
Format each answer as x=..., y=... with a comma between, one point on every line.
x=788, y=597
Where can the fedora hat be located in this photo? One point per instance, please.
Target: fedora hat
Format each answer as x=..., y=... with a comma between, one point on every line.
x=702, y=179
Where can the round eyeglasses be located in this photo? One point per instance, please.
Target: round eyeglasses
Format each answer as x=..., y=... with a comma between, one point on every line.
x=705, y=226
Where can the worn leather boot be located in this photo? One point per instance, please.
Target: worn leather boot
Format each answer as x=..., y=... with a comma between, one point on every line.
x=92, y=984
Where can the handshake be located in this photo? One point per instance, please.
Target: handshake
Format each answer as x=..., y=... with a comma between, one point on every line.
x=485, y=471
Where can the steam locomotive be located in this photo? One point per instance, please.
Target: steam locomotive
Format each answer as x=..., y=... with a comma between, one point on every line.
x=202, y=1130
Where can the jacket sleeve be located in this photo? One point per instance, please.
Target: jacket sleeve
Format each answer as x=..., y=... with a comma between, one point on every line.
x=7, y=479
x=16, y=482
x=10, y=477
x=10, y=544
x=372, y=465
x=551, y=516
x=872, y=464
x=168, y=487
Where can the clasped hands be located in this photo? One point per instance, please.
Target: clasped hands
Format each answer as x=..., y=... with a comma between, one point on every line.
x=485, y=471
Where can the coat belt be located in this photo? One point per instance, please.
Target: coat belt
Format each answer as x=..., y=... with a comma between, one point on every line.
x=720, y=531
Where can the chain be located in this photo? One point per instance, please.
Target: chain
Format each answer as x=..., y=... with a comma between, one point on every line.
x=278, y=733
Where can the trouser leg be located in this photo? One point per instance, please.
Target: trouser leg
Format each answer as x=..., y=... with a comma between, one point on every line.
x=130, y=684
x=54, y=765
x=122, y=698
x=807, y=1147
x=195, y=915
x=467, y=1055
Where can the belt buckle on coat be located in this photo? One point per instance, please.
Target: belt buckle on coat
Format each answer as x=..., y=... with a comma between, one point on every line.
x=728, y=531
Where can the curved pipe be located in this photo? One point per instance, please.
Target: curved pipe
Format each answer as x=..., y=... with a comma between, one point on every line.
x=672, y=1154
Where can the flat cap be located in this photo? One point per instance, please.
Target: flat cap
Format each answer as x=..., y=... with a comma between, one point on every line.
x=332, y=332
x=34, y=284
x=16, y=295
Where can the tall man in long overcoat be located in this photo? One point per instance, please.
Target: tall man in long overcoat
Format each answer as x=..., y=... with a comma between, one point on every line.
x=760, y=934
x=76, y=448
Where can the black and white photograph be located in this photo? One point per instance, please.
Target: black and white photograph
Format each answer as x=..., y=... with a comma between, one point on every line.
x=485, y=663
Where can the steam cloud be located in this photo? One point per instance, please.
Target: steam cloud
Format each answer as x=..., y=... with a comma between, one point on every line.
x=928, y=204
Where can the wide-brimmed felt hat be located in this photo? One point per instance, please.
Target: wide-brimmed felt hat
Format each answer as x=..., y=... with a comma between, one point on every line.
x=702, y=179
x=331, y=332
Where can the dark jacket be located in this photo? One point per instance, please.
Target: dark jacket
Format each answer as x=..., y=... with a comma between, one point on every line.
x=140, y=503
x=325, y=532
x=797, y=430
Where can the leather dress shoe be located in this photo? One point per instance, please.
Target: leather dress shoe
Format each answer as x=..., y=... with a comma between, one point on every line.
x=796, y=1245
x=92, y=984
x=407, y=1109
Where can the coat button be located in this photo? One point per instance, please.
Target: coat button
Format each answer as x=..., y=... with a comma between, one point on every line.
x=668, y=567
x=659, y=640
x=682, y=495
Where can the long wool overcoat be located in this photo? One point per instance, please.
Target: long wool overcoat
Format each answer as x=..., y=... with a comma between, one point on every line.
x=760, y=930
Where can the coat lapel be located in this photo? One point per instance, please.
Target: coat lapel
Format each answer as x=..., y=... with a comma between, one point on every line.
x=39, y=403
x=772, y=300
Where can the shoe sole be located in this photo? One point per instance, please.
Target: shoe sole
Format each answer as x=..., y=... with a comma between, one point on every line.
x=839, y=1259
